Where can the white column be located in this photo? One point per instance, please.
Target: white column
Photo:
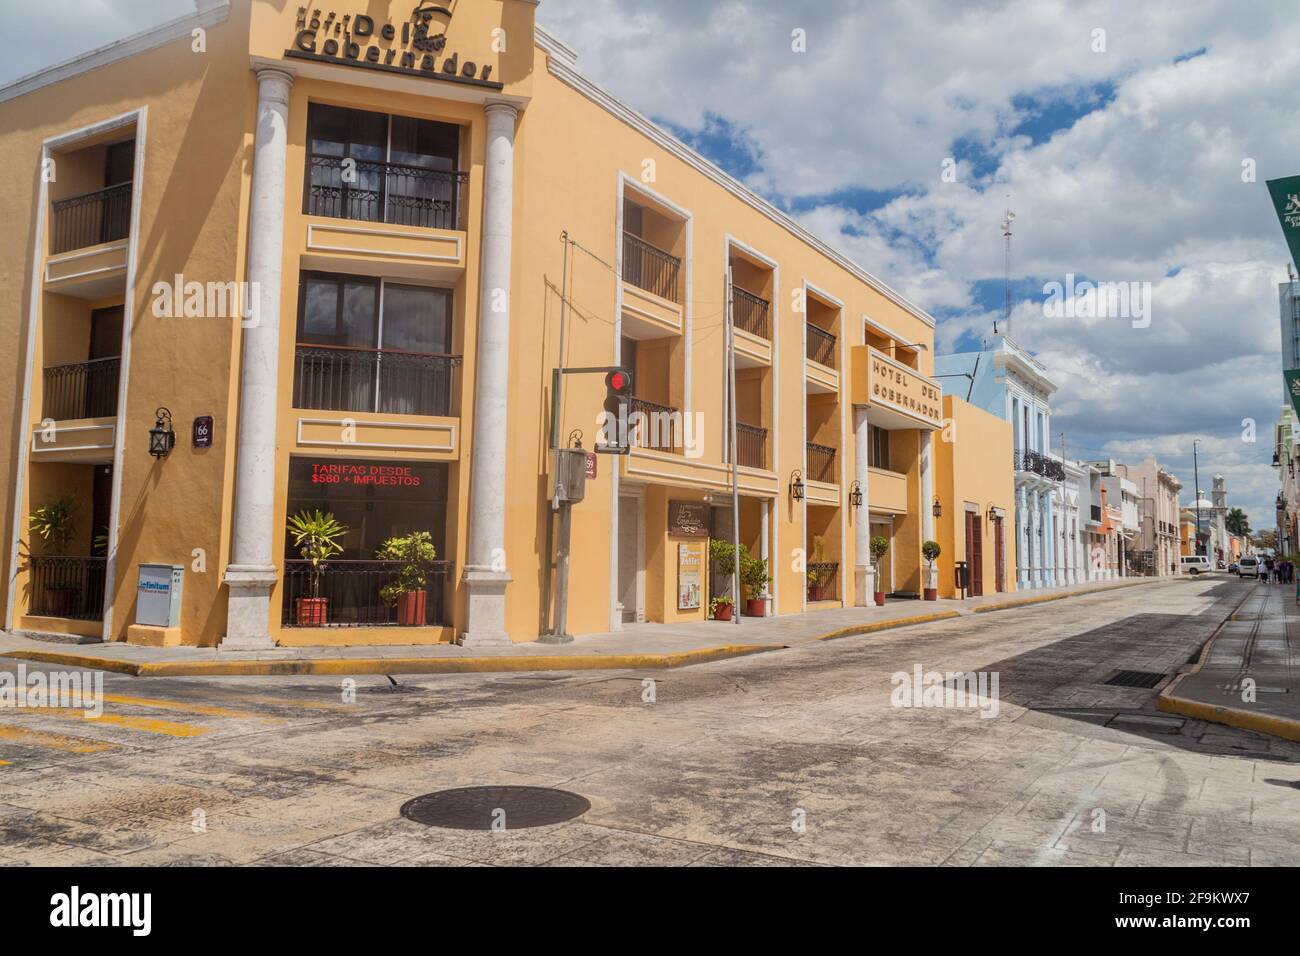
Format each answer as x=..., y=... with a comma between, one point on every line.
x=486, y=574
x=764, y=548
x=251, y=573
x=930, y=577
x=864, y=579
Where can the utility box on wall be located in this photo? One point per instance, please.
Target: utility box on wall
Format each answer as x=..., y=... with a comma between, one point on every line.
x=158, y=595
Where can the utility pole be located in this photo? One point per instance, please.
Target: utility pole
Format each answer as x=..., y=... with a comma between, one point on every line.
x=560, y=562
x=735, y=474
x=1196, y=477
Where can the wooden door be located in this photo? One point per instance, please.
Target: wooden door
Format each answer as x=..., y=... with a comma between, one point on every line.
x=999, y=555
x=975, y=553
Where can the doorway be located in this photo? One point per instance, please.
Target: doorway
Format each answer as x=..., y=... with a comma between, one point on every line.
x=101, y=510
x=975, y=553
x=999, y=555
x=884, y=528
x=630, y=559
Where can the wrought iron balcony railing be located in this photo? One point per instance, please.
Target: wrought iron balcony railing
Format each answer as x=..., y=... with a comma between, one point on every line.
x=821, y=463
x=654, y=426
x=821, y=346
x=354, y=591
x=372, y=191
x=344, y=379
x=751, y=446
x=91, y=218
x=649, y=267
x=823, y=580
x=752, y=313
x=67, y=587
x=81, y=389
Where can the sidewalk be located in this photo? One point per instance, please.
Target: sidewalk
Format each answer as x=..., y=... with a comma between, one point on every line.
x=637, y=646
x=1258, y=643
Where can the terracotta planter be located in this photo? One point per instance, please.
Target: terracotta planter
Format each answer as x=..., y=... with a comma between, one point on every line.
x=410, y=608
x=931, y=594
x=817, y=592
x=723, y=613
x=756, y=607
x=313, y=612
x=60, y=602
x=880, y=598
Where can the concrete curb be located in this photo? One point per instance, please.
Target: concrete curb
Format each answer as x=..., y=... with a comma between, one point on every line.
x=1168, y=702
x=334, y=666
x=1043, y=599
x=855, y=629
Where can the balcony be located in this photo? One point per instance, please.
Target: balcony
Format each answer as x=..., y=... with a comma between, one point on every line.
x=650, y=268
x=653, y=426
x=67, y=587
x=751, y=446
x=81, y=390
x=821, y=464
x=393, y=193
x=346, y=379
x=751, y=313
x=823, y=581
x=821, y=346
x=91, y=219
x=1039, y=464
x=354, y=589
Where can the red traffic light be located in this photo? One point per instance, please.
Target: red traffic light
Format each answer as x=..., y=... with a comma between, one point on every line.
x=619, y=382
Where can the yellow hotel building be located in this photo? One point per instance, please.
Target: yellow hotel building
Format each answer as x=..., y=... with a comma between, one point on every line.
x=272, y=258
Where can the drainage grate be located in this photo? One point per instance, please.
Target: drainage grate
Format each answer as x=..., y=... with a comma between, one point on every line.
x=1134, y=679
x=487, y=808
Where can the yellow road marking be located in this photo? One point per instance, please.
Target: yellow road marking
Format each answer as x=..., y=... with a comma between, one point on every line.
x=4, y=763
x=26, y=737
x=148, y=725
x=204, y=709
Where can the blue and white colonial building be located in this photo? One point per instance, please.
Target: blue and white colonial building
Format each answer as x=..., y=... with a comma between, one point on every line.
x=1008, y=382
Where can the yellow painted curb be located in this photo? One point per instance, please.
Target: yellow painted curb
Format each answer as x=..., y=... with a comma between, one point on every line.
x=397, y=665
x=888, y=625
x=1044, y=598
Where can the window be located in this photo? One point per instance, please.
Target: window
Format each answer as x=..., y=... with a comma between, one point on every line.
x=878, y=453
x=380, y=168
x=368, y=344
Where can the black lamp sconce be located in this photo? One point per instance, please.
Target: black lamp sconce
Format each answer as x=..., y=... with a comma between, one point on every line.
x=796, y=485
x=161, y=437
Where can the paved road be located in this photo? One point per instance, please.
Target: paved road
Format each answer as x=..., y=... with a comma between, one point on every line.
x=798, y=756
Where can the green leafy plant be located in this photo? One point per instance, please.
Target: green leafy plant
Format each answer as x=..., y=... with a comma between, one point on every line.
x=56, y=525
x=417, y=554
x=931, y=550
x=816, y=576
x=879, y=548
x=316, y=536
x=722, y=554
x=721, y=600
x=754, y=574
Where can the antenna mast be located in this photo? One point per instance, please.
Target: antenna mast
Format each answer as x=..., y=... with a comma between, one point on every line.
x=1007, y=220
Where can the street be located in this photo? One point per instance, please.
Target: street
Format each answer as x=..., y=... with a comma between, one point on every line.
x=797, y=756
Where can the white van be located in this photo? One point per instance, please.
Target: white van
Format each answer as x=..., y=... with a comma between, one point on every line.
x=1248, y=568
x=1195, y=564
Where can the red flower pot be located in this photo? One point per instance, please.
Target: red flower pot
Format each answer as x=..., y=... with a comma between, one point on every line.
x=60, y=602
x=410, y=608
x=880, y=598
x=723, y=613
x=817, y=593
x=931, y=594
x=755, y=607
x=313, y=612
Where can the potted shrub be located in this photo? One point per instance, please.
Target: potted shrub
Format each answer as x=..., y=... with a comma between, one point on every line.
x=931, y=550
x=408, y=593
x=55, y=524
x=879, y=547
x=722, y=563
x=720, y=608
x=817, y=590
x=753, y=574
x=316, y=536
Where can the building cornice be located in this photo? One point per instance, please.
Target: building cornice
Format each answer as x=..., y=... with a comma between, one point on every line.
x=562, y=64
x=209, y=15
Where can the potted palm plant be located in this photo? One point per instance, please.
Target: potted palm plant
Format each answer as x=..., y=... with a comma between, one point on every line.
x=55, y=524
x=879, y=547
x=409, y=594
x=931, y=550
x=316, y=536
x=754, y=575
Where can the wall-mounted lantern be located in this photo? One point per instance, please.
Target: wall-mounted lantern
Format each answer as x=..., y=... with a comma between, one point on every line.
x=855, y=494
x=161, y=436
x=993, y=514
x=937, y=510
x=796, y=485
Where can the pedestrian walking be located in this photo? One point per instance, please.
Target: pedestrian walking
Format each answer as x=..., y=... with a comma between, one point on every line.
x=1264, y=569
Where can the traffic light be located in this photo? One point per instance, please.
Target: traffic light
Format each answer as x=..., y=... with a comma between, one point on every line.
x=618, y=399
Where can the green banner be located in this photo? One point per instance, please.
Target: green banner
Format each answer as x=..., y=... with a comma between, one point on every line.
x=1292, y=379
x=1286, y=203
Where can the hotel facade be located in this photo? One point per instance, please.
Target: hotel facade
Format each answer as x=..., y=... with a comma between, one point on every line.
x=275, y=260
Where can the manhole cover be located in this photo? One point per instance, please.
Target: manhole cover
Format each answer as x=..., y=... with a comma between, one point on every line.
x=1134, y=679
x=487, y=808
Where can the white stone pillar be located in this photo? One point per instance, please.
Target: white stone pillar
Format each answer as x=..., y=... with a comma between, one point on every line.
x=864, y=578
x=486, y=574
x=251, y=573
x=929, y=576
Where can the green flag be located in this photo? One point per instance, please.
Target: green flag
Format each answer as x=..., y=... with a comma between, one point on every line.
x=1292, y=379
x=1286, y=203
